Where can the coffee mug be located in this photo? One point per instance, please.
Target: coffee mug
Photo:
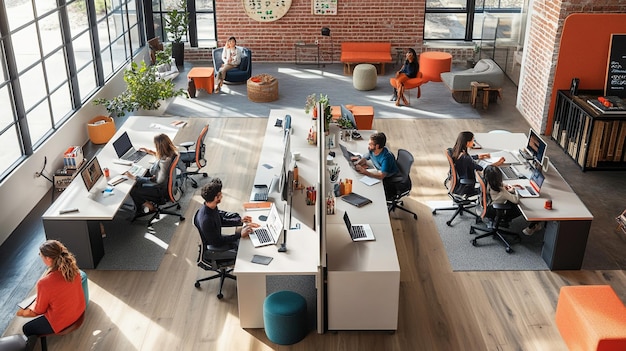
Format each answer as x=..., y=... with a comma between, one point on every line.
x=296, y=156
x=548, y=205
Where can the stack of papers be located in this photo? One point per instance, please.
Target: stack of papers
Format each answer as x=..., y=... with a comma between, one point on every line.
x=509, y=158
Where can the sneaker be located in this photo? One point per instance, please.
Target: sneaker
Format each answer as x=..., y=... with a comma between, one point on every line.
x=532, y=230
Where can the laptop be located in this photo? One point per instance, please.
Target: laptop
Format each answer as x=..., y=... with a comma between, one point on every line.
x=509, y=172
x=269, y=232
x=348, y=155
x=530, y=187
x=125, y=150
x=355, y=199
x=358, y=232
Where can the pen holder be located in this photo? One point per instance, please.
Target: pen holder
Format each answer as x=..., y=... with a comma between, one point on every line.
x=334, y=174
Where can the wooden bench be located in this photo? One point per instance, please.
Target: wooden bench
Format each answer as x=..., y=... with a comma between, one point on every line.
x=591, y=317
x=353, y=53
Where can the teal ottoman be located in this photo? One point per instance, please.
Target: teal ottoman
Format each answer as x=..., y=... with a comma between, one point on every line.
x=285, y=317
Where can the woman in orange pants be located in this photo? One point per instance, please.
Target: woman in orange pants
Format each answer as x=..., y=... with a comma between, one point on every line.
x=408, y=70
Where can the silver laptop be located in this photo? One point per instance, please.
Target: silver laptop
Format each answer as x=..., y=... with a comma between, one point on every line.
x=358, y=232
x=268, y=233
x=348, y=156
x=125, y=150
x=530, y=187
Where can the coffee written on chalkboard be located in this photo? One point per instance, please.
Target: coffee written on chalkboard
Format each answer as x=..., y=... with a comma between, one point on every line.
x=615, y=84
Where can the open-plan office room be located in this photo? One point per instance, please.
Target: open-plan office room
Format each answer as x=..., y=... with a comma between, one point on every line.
x=439, y=305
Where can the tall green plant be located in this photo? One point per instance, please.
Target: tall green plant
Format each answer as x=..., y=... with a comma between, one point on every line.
x=176, y=22
x=143, y=91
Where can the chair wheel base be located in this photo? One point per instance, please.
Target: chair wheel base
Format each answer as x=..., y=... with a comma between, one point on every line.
x=220, y=296
x=449, y=223
x=197, y=284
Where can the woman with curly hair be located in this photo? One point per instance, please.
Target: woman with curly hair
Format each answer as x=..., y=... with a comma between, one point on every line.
x=60, y=297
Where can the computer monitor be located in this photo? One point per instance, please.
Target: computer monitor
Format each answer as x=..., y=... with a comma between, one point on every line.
x=536, y=146
x=91, y=173
x=348, y=116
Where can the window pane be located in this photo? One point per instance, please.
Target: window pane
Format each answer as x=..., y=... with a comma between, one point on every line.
x=159, y=26
x=78, y=17
x=107, y=64
x=6, y=117
x=56, y=70
x=11, y=150
x=82, y=49
x=119, y=53
x=25, y=44
x=444, y=26
x=134, y=38
x=61, y=103
x=3, y=67
x=204, y=5
x=449, y=4
x=206, y=27
x=86, y=82
x=39, y=122
x=19, y=13
x=50, y=33
x=44, y=6
x=33, y=88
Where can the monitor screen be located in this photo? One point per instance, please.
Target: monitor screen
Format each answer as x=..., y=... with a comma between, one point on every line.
x=348, y=116
x=91, y=173
x=536, y=145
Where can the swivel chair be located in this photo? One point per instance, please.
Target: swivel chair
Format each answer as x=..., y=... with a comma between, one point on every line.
x=219, y=259
x=462, y=192
x=166, y=197
x=494, y=213
x=236, y=75
x=401, y=183
x=187, y=157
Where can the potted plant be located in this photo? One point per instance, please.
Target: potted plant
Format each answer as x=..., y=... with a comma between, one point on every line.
x=143, y=91
x=176, y=22
x=311, y=105
x=476, y=56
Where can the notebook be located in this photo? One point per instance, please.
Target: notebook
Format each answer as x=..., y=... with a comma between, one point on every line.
x=125, y=150
x=355, y=199
x=530, y=187
x=358, y=232
x=269, y=232
x=27, y=302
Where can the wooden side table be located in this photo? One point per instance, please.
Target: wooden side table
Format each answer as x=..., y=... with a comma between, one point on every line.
x=479, y=87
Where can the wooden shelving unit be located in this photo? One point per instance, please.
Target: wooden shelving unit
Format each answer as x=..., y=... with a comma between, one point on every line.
x=594, y=140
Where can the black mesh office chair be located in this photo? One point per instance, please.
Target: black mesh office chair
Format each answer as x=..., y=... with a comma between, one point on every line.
x=166, y=197
x=219, y=259
x=401, y=183
x=462, y=191
x=494, y=213
x=196, y=156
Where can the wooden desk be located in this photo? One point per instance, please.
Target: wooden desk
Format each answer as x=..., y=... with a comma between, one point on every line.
x=203, y=78
x=568, y=222
x=80, y=231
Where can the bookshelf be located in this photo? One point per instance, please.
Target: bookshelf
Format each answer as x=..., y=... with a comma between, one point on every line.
x=594, y=139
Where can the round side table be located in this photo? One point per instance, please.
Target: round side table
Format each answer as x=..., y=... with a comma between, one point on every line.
x=433, y=63
x=262, y=88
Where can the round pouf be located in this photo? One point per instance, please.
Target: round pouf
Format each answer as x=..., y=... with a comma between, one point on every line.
x=433, y=63
x=262, y=88
x=364, y=77
x=284, y=316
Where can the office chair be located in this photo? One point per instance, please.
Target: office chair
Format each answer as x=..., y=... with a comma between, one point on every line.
x=168, y=196
x=494, y=213
x=220, y=259
x=401, y=183
x=462, y=192
x=236, y=75
x=187, y=157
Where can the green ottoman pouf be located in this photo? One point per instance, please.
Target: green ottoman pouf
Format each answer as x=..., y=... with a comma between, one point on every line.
x=284, y=316
x=364, y=77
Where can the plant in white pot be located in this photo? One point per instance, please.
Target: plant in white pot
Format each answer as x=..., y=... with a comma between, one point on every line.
x=176, y=23
x=143, y=91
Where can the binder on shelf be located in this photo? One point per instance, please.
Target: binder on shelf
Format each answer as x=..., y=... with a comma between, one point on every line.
x=73, y=157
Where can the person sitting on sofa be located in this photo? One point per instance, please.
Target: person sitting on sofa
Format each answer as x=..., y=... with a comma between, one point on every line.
x=231, y=56
x=409, y=70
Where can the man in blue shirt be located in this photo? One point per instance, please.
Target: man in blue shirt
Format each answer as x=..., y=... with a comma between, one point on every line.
x=382, y=159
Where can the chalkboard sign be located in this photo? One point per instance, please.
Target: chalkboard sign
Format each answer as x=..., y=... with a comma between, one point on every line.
x=615, y=84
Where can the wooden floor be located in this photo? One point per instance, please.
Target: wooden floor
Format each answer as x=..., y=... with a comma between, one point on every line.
x=439, y=309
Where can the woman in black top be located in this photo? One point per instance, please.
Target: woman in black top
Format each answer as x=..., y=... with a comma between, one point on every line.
x=464, y=163
x=409, y=70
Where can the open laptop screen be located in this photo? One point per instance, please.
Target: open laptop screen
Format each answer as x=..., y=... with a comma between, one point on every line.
x=122, y=145
x=91, y=173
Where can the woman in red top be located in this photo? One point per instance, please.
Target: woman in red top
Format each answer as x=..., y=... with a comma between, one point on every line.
x=60, y=297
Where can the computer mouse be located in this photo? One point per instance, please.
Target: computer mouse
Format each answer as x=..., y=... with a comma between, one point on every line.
x=263, y=218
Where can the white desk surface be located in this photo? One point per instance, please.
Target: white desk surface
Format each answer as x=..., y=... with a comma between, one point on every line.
x=303, y=245
x=93, y=205
x=566, y=205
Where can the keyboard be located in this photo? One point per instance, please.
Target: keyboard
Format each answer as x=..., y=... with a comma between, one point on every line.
x=358, y=232
x=260, y=193
x=525, y=154
x=263, y=235
x=137, y=170
x=508, y=172
x=530, y=190
x=136, y=156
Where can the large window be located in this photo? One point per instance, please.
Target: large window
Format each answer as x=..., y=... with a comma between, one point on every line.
x=54, y=55
x=463, y=19
x=201, y=21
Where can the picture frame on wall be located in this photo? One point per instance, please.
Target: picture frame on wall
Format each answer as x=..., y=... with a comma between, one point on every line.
x=324, y=7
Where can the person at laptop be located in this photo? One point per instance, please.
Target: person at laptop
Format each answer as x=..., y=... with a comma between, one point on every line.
x=209, y=219
x=148, y=188
x=382, y=159
x=501, y=193
x=60, y=298
x=464, y=163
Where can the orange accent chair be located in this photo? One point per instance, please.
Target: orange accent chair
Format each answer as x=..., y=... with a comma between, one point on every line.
x=410, y=84
x=591, y=317
x=101, y=129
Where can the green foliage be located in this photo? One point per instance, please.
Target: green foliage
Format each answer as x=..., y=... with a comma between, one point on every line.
x=163, y=56
x=176, y=22
x=144, y=91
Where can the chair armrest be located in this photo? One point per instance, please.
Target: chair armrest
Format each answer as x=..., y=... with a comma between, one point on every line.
x=187, y=144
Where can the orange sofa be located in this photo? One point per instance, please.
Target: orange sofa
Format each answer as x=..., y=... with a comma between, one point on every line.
x=353, y=53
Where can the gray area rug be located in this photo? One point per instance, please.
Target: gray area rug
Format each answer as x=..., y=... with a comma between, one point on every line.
x=135, y=246
x=296, y=82
x=489, y=255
